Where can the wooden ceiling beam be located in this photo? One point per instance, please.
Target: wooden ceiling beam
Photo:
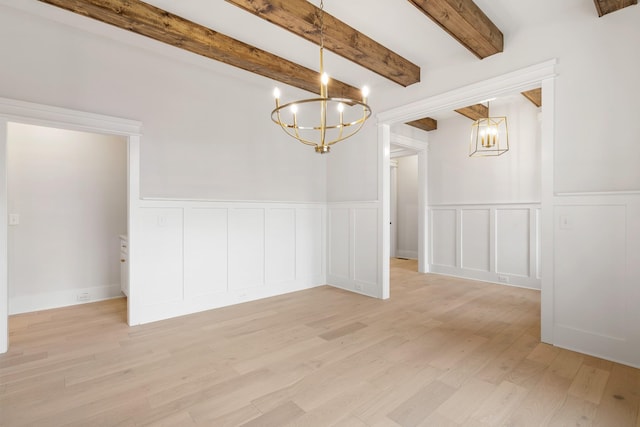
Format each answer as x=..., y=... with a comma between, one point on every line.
x=427, y=124
x=607, y=6
x=303, y=19
x=535, y=96
x=150, y=21
x=465, y=22
x=474, y=112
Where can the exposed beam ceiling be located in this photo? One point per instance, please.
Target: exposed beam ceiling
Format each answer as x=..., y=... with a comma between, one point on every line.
x=302, y=18
x=535, y=96
x=160, y=25
x=465, y=22
x=428, y=124
x=608, y=6
x=474, y=112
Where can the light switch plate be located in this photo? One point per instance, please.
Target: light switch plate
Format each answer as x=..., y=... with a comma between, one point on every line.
x=14, y=219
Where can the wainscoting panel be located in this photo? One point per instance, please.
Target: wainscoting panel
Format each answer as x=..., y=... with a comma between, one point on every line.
x=310, y=232
x=590, y=282
x=339, y=241
x=205, y=252
x=160, y=254
x=365, y=248
x=280, y=245
x=495, y=243
x=596, y=275
x=443, y=237
x=192, y=256
x=476, y=232
x=513, y=227
x=353, y=246
x=246, y=248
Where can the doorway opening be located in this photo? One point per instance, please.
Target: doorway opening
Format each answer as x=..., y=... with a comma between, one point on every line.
x=67, y=203
x=20, y=112
x=404, y=208
x=536, y=76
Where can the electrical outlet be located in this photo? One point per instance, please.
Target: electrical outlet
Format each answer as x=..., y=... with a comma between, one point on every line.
x=502, y=278
x=83, y=296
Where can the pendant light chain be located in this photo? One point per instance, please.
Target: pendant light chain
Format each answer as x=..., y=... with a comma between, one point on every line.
x=344, y=120
x=321, y=24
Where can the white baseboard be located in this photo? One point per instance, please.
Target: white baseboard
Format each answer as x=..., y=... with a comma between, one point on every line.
x=486, y=276
x=403, y=253
x=359, y=287
x=67, y=297
x=213, y=301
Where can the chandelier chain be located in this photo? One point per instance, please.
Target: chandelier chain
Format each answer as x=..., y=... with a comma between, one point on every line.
x=322, y=23
x=344, y=120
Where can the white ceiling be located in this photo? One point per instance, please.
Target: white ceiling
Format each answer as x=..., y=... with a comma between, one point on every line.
x=396, y=24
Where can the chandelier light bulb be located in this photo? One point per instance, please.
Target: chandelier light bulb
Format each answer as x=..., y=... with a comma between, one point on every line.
x=327, y=128
x=365, y=91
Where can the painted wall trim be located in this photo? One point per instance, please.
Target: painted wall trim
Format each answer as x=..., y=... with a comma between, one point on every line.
x=599, y=193
x=352, y=248
x=45, y=115
x=164, y=200
x=408, y=142
x=515, y=81
x=63, y=298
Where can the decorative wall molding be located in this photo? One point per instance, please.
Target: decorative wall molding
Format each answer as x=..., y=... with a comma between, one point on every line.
x=195, y=256
x=598, y=193
x=496, y=243
x=408, y=142
x=353, y=247
x=165, y=200
x=44, y=115
x=483, y=205
x=596, y=269
x=515, y=81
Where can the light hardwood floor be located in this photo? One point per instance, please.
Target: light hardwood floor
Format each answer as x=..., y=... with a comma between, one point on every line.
x=440, y=352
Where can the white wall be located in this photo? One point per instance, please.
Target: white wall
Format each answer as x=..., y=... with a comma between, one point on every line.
x=496, y=242
x=186, y=152
x=352, y=242
x=207, y=134
x=194, y=256
x=407, y=200
x=591, y=156
x=485, y=212
x=596, y=108
x=69, y=190
x=352, y=173
x=514, y=177
x=596, y=275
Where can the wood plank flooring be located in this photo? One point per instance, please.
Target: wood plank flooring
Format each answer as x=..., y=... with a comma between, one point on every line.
x=441, y=352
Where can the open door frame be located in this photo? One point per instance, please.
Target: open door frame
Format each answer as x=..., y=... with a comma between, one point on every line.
x=14, y=111
x=420, y=149
x=535, y=76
